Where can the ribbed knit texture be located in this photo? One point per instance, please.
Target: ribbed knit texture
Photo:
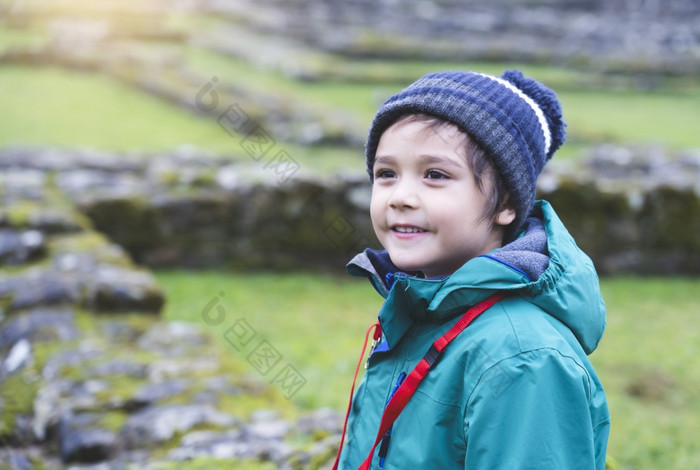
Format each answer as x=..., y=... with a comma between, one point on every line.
x=496, y=117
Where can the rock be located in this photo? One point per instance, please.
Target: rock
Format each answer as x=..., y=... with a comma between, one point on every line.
x=196, y=438
x=228, y=178
x=173, y=339
x=21, y=247
x=103, y=280
x=232, y=444
x=262, y=416
x=22, y=434
x=325, y=450
x=324, y=420
x=38, y=287
x=19, y=356
x=266, y=425
x=155, y=425
x=54, y=221
x=70, y=357
x=118, y=368
x=22, y=184
x=116, y=289
x=40, y=324
x=81, y=440
x=47, y=410
x=269, y=430
x=65, y=398
x=31, y=158
x=152, y=393
x=83, y=185
x=14, y=460
x=87, y=445
x=168, y=368
x=120, y=332
x=207, y=444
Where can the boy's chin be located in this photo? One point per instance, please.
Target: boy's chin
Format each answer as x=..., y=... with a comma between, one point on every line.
x=421, y=270
x=408, y=268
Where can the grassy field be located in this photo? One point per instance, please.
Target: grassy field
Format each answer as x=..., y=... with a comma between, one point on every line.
x=51, y=106
x=649, y=359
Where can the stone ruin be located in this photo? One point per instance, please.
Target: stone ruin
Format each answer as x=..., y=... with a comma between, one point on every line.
x=634, y=210
x=90, y=377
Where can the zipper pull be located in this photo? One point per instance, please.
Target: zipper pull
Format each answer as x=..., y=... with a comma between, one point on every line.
x=371, y=350
x=375, y=342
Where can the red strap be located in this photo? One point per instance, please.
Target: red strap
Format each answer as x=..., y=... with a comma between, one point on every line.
x=377, y=335
x=409, y=386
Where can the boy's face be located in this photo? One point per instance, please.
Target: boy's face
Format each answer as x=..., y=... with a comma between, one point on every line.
x=426, y=207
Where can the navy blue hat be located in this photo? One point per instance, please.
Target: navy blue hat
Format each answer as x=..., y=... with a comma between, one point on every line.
x=516, y=120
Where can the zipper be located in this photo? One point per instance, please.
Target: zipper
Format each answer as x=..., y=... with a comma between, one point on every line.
x=384, y=446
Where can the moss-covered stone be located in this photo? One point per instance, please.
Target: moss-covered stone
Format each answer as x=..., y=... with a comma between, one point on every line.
x=671, y=220
x=17, y=393
x=205, y=463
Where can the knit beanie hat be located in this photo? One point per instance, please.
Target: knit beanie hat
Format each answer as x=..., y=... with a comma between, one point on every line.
x=516, y=120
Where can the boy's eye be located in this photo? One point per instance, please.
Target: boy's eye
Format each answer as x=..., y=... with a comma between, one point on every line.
x=435, y=175
x=383, y=173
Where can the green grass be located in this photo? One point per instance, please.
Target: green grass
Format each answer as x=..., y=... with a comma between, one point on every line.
x=649, y=359
x=51, y=106
x=299, y=315
x=652, y=349
x=352, y=97
x=55, y=107
x=661, y=116
x=20, y=38
x=665, y=117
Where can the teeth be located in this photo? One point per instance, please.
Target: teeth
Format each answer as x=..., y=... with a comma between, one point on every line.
x=408, y=229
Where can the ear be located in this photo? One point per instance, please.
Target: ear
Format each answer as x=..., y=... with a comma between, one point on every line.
x=506, y=214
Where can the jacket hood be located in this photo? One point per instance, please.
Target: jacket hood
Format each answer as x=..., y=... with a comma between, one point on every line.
x=544, y=266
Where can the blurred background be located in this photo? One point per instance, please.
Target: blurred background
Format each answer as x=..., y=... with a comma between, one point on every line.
x=183, y=181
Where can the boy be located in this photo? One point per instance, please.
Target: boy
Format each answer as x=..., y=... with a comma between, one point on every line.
x=453, y=160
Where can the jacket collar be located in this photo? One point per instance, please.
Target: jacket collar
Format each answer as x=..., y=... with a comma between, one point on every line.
x=411, y=299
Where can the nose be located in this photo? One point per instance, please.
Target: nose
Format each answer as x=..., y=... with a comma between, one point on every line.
x=404, y=195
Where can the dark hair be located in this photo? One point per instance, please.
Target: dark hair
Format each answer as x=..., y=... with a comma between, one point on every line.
x=478, y=162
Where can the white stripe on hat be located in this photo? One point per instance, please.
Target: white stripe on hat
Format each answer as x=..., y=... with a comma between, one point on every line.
x=535, y=107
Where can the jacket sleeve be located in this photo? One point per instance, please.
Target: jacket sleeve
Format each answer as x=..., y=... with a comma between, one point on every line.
x=531, y=411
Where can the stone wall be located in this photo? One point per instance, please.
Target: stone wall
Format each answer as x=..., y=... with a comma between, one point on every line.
x=630, y=35
x=632, y=209
x=89, y=374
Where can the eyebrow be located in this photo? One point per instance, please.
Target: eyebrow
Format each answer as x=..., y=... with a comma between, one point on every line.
x=384, y=159
x=439, y=159
x=425, y=159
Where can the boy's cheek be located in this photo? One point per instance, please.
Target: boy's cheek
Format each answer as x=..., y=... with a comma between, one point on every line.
x=375, y=210
x=377, y=226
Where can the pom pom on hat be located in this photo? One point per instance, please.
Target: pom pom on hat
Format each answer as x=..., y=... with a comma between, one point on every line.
x=515, y=119
x=548, y=102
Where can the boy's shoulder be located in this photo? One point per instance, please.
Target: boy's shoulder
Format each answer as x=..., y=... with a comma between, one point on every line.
x=515, y=330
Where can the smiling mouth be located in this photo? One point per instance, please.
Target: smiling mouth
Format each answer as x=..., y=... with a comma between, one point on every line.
x=405, y=229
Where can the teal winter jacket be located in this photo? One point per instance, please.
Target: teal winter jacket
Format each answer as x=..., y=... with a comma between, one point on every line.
x=515, y=390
